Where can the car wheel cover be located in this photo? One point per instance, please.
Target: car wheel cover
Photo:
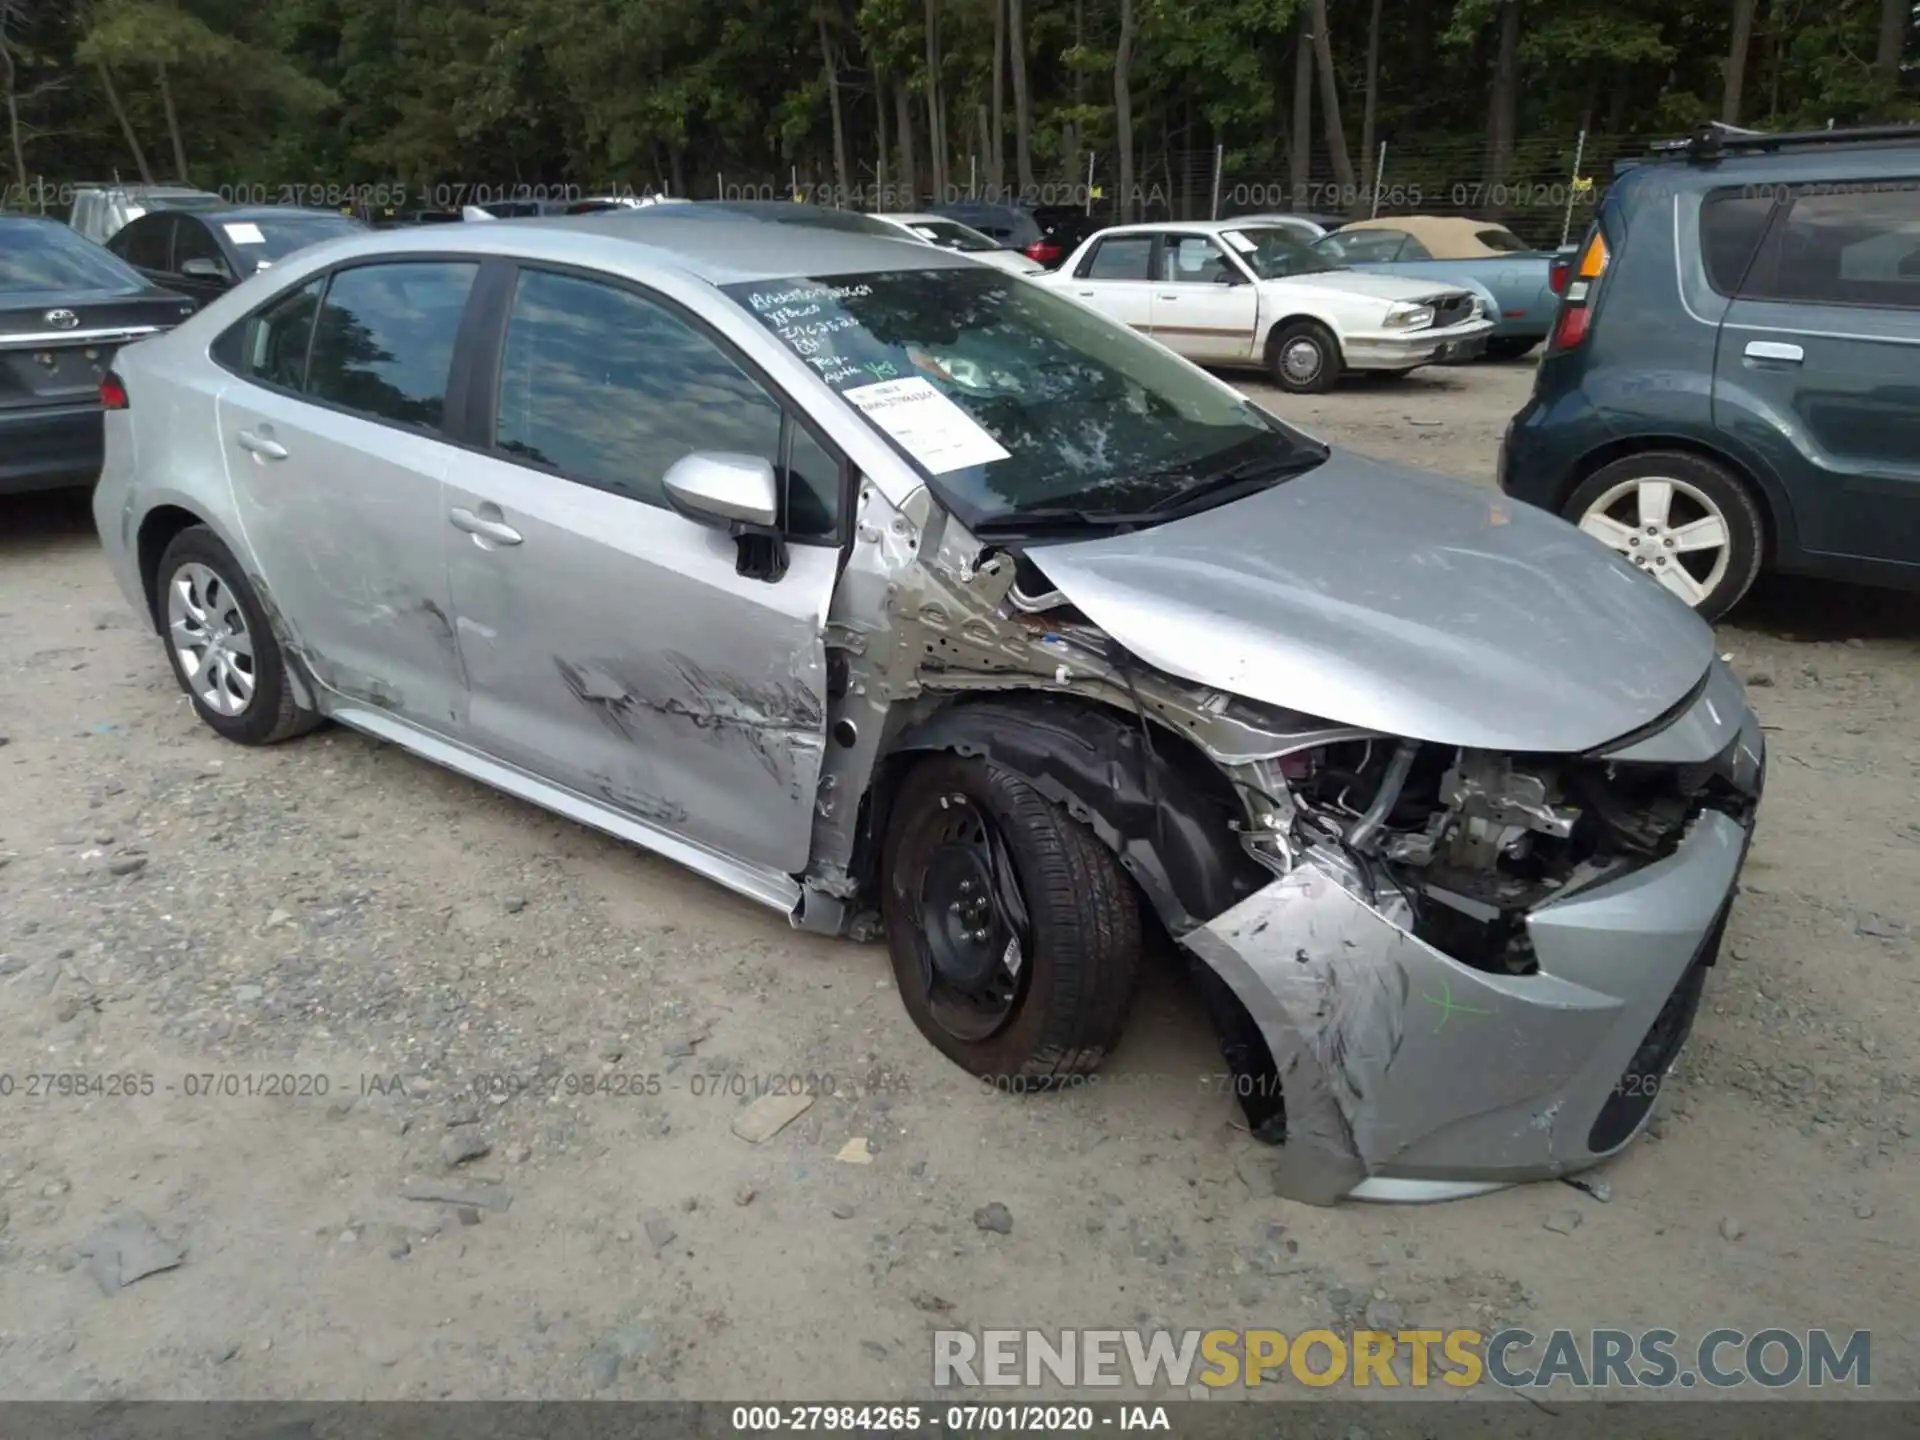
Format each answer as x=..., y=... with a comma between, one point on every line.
x=1302, y=361
x=1667, y=527
x=210, y=639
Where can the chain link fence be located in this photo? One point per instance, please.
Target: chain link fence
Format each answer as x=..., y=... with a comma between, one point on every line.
x=1545, y=190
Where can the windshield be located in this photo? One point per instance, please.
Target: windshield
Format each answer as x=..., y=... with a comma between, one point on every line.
x=1014, y=401
x=952, y=235
x=263, y=241
x=42, y=256
x=1273, y=253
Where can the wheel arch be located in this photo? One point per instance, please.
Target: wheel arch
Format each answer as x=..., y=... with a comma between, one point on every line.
x=157, y=529
x=1148, y=794
x=1291, y=316
x=1091, y=759
x=1779, y=534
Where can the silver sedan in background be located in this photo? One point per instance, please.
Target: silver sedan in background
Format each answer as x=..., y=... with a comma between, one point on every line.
x=913, y=600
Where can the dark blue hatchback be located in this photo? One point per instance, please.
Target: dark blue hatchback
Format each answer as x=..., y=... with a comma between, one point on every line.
x=1733, y=379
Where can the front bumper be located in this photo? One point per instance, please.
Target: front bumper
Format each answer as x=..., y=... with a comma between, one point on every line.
x=1398, y=350
x=1408, y=1075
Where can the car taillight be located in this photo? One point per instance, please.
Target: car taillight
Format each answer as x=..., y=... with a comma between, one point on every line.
x=1576, y=303
x=113, y=394
x=1557, y=273
x=1045, y=251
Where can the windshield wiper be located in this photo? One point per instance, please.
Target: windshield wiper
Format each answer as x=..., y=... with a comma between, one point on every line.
x=1249, y=475
x=1220, y=486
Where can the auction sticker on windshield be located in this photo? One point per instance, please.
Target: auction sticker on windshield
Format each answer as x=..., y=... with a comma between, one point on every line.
x=245, y=232
x=929, y=426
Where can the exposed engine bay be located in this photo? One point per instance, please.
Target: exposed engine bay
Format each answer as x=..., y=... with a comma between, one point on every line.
x=1469, y=842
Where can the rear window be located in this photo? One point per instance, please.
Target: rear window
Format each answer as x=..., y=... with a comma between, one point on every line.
x=1499, y=238
x=263, y=240
x=1732, y=225
x=43, y=257
x=952, y=235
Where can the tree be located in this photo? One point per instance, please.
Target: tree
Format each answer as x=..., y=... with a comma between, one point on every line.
x=1370, y=113
x=1505, y=99
x=1737, y=61
x=1330, y=102
x=1123, y=109
x=997, y=136
x=1300, y=149
x=12, y=16
x=831, y=67
x=1022, y=106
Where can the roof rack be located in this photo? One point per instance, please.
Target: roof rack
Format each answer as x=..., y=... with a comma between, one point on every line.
x=1716, y=139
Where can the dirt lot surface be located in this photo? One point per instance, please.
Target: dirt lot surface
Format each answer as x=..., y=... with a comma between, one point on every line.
x=465, y=976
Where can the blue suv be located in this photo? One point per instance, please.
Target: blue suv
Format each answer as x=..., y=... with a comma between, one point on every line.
x=1733, y=379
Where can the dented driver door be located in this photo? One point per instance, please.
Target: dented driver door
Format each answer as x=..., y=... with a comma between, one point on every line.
x=611, y=645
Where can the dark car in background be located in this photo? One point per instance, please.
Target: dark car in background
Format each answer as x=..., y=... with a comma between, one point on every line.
x=205, y=253
x=66, y=306
x=1046, y=233
x=1732, y=382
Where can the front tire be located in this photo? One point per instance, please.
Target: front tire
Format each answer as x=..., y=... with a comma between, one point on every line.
x=1015, y=935
x=220, y=645
x=1304, y=358
x=1687, y=521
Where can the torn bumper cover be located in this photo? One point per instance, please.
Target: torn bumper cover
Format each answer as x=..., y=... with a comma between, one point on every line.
x=1407, y=1075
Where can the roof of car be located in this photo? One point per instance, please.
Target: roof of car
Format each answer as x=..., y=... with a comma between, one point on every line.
x=722, y=245
x=1449, y=237
x=264, y=212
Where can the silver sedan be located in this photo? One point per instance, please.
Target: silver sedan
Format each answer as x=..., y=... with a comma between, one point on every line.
x=914, y=600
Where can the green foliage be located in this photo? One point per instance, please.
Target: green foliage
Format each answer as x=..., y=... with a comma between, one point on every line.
x=677, y=91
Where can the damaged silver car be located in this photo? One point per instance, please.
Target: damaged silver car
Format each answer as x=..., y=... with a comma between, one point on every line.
x=919, y=601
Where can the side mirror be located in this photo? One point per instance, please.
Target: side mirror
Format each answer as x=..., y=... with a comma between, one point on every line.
x=719, y=489
x=201, y=268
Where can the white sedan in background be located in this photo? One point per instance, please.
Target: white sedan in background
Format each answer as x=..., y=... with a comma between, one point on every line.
x=1226, y=293
x=952, y=235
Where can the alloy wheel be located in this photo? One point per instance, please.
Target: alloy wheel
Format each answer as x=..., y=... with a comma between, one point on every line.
x=1668, y=528
x=210, y=639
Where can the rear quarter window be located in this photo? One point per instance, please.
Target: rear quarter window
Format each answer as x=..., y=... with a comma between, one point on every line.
x=1732, y=225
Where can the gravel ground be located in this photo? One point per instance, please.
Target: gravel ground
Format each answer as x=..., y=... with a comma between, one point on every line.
x=499, y=1002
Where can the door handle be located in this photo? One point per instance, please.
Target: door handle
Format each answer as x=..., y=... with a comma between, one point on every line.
x=1166, y=297
x=479, y=526
x=1084, y=294
x=261, y=444
x=1775, y=350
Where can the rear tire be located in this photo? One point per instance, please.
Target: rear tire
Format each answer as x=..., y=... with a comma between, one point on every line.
x=972, y=850
x=1304, y=358
x=220, y=645
x=1686, y=520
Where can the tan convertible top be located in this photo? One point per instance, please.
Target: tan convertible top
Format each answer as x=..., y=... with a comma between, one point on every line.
x=1448, y=237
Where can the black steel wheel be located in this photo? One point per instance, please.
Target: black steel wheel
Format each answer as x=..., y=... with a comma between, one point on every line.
x=1015, y=935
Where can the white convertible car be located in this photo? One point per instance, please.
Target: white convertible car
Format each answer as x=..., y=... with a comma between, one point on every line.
x=1228, y=293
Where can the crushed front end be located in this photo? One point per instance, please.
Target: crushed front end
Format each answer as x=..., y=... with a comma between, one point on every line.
x=1473, y=968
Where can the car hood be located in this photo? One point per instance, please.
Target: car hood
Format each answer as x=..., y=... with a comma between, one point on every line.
x=1357, y=282
x=1397, y=601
